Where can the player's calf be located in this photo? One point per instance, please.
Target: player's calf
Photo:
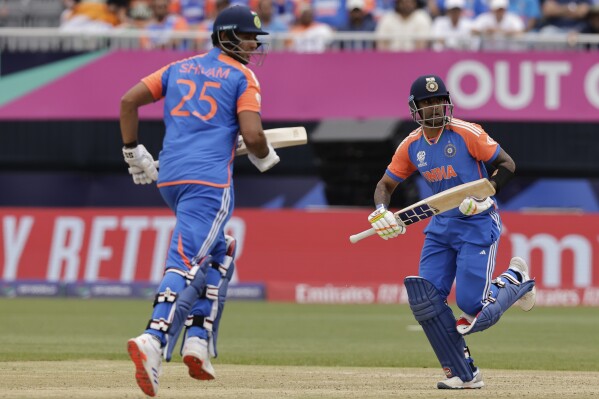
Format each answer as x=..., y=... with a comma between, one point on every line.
x=172, y=284
x=184, y=302
x=208, y=326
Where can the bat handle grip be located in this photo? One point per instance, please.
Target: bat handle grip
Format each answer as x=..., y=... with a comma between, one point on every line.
x=360, y=236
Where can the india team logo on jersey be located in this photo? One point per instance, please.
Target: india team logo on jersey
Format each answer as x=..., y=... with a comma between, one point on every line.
x=449, y=150
x=420, y=157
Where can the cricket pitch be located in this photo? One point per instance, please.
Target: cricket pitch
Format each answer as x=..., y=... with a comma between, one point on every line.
x=115, y=379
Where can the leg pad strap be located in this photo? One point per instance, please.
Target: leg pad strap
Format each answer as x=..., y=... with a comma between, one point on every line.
x=166, y=296
x=199, y=321
x=158, y=324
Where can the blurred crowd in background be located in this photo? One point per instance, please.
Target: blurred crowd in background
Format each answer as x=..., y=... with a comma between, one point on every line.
x=310, y=25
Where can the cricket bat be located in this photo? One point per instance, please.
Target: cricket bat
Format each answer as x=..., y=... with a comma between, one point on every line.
x=436, y=204
x=278, y=138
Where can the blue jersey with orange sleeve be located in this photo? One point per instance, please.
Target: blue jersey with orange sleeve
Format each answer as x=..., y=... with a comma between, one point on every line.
x=456, y=157
x=202, y=97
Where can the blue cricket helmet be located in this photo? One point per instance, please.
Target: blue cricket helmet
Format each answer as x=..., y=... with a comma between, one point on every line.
x=427, y=86
x=238, y=18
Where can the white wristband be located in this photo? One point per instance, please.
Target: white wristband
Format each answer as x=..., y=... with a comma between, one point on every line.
x=263, y=164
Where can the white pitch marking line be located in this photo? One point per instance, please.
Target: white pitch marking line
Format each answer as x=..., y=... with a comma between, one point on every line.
x=414, y=327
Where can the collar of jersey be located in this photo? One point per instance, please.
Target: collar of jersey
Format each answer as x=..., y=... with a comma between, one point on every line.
x=217, y=52
x=429, y=142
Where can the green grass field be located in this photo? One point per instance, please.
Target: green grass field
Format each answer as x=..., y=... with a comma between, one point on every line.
x=260, y=333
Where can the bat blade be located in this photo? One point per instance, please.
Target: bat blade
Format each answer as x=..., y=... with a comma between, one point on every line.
x=279, y=138
x=436, y=204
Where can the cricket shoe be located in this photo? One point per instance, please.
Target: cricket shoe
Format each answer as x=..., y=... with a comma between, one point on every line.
x=527, y=302
x=195, y=356
x=457, y=383
x=146, y=353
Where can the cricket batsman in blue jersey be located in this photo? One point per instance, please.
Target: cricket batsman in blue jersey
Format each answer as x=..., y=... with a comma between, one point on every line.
x=461, y=244
x=209, y=99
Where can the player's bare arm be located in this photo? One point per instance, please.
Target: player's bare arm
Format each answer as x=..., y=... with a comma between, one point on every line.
x=504, y=159
x=383, y=191
x=139, y=95
x=261, y=153
x=250, y=127
x=141, y=163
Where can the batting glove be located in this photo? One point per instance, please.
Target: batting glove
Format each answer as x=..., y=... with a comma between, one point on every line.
x=473, y=206
x=263, y=164
x=385, y=224
x=141, y=164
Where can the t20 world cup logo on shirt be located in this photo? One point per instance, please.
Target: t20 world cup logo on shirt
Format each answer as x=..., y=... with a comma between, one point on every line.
x=420, y=157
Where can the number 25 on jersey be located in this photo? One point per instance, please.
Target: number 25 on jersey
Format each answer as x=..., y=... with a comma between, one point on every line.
x=178, y=109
